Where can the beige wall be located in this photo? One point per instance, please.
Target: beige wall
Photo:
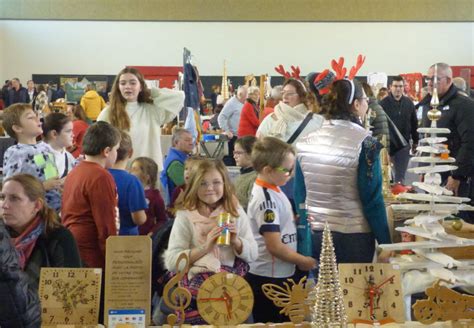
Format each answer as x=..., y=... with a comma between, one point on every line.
x=84, y=47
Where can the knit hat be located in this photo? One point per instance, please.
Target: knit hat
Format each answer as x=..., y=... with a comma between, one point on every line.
x=319, y=83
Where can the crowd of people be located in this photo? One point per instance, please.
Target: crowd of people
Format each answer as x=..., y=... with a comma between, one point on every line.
x=73, y=179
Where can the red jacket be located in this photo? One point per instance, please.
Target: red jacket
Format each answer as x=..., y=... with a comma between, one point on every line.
x=249, y=121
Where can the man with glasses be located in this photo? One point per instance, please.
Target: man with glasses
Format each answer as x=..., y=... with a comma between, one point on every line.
x=401, y=111
x=457, y=114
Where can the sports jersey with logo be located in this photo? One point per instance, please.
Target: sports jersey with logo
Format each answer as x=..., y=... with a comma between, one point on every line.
x=269, y=210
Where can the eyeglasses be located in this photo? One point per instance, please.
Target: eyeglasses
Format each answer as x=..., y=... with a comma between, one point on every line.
x=213, y=184
x=289, y=94
x=236, y=152
x=364, y=98
x=284, y=170
x=431, y=79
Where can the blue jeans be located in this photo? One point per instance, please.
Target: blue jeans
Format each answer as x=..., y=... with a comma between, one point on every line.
x=349, y=247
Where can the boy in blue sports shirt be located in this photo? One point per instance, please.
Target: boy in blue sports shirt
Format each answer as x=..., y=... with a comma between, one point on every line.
x=132, y=202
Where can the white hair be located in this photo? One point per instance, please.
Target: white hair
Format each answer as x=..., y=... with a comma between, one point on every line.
x=277, y=90
x=460, y=83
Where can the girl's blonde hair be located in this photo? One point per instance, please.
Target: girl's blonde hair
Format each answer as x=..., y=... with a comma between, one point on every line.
x=118, y=115
x=189, y=200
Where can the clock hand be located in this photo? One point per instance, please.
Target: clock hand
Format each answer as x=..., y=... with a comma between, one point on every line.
x=228, y=304
x=213, y=299
x=383, y=283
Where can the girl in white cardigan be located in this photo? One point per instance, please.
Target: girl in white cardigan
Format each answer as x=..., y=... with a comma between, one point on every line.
x=195, y=231
x=141, y=112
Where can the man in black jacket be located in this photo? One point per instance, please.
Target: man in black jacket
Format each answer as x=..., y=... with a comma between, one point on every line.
x=457, y=114
x=19, y=306
x=17, y=93
x=401, y=111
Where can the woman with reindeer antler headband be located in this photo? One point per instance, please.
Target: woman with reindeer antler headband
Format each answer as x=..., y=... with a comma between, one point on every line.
x=286, y=122
x=339, y=174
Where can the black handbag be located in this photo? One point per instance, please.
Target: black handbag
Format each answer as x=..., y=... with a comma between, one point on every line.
x=397, y=140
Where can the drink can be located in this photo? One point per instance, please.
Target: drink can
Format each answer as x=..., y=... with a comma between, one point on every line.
x=223, y=221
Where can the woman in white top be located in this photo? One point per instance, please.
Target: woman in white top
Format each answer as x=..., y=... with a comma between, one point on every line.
x=289, y=114
x=141, y=111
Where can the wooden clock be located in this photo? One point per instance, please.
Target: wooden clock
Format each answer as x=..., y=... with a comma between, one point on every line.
x=225, y=299
x=70, y=295
x=372, y=292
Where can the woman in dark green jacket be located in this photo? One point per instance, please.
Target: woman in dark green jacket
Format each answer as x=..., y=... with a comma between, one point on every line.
x=19, y=307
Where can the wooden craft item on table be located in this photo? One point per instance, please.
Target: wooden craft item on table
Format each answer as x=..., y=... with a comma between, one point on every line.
x=225, y=299
x=127, y=275
x=174, y=295
x=372, y=292
x=292, y=299
x=443, y=304
x=70, y=295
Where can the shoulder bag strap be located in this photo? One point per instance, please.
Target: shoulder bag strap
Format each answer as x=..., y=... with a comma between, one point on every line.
x=300, y=128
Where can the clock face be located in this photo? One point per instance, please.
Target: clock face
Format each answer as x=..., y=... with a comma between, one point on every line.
x=371, y=291
x=70, y=295
x=225, y=299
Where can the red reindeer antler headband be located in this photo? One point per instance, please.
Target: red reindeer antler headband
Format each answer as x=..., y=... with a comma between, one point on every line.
x=295, y=73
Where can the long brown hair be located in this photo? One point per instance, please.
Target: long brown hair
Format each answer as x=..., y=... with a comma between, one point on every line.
x=79, y=113
x=189, y=200
x=118, y=115
x=34, y=190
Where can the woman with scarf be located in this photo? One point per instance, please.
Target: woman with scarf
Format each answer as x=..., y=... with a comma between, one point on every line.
x=289, y=115
x=195, y=231
x=340, y=180
x=37, y=234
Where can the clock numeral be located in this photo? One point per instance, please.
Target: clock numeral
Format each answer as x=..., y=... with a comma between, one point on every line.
x=242, y=307
x=45, y=310
x=236, y=316
x=392, y=281
x=55, y=274
x=360, y=313
x=66, y=319
x=216, y=316
x=92, y=311
x=345, y=291
x=349, y=280
x=45, y=296
x=381, y=272
x=241, y=288
x=369, y=268
x=357, y=271
x=245, y=297
x=208, y=309
x=214, y=284
x=71, y=274
x=48, y=282
x=51, y=318
x=394, y=305
x=350, y=304
x=81, y=319
x=397, y=292
x=385, y=314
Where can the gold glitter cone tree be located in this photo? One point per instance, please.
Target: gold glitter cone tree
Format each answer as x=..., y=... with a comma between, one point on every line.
x=328, y=304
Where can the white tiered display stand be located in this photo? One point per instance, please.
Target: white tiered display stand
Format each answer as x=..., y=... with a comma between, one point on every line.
x=427, y=264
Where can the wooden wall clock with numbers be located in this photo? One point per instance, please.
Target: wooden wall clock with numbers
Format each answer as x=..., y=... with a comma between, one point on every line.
x=70, y=295
x=372, y=292
x=225, y=299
